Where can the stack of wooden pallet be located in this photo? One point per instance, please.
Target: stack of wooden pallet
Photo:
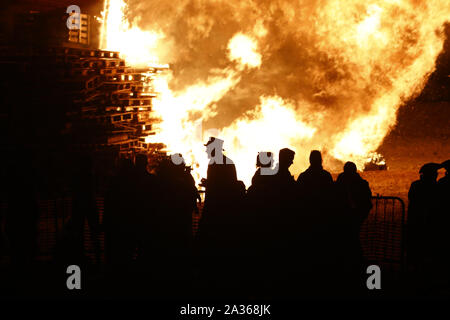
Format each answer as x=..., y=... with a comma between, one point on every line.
x=109, y=96
x=102, y=102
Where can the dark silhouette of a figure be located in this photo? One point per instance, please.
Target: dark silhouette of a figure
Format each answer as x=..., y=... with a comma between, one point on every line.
x=173, y=238
x=354, y=193
x=282, y=250
x=178, y=195
x=283, y=178
x=314, y=221
x=257, y=223
x=423, y=206
x=259, y=198
x=217, y=234
x=220, y=184
x=354, y=204
x=262, y=177
x=221, y=180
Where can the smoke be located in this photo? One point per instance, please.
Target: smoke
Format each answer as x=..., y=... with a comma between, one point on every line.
x=341, y=65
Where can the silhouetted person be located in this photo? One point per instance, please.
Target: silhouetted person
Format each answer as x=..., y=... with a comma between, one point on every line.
x=260, y=196
x=314, y=218
x=179, y=197
x=221, y=182
x=354, y=203
x=262, y=176
x=423, y=198
x=354, y=193
x=217, y=229
x=437, y=245
x=173, y=238
x=282, y=252
x=283, y=178
x=259, y=237
x=221, y=175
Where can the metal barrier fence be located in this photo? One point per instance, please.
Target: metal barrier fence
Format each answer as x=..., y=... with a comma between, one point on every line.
x=383, y=233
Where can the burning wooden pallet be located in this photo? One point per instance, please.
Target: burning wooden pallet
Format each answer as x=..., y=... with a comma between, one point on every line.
x=106, y=93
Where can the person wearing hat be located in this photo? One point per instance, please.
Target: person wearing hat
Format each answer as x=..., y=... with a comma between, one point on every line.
x=218, y=227
x=422, y=208
x=221, y=169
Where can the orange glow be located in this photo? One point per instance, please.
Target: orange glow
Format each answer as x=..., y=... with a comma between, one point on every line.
x=244, y=49
x=364, y=59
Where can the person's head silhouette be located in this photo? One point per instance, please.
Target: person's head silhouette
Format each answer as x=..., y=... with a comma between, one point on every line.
x=178, y=162
x=315, y=159
x=264, y=159
x=214, y=148
x=350, y=168
x=429, y=171
x=286, y=158
x=177, y=159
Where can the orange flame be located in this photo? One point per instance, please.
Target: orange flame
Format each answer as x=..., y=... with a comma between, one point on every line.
x=368, y=57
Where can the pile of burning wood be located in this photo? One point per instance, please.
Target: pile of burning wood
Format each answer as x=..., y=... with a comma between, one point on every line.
x=110, y=100
x=68, y=93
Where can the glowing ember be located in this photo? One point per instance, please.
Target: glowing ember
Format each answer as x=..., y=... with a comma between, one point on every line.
x=326, y=75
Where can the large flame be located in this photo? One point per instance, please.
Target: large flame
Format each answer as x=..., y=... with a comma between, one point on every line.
x=326, y=75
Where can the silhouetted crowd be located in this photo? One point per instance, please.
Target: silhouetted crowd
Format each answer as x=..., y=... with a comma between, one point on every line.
x=282, y=237
x=279, y=238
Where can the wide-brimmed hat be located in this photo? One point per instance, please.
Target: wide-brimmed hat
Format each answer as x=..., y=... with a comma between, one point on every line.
x=214, y=139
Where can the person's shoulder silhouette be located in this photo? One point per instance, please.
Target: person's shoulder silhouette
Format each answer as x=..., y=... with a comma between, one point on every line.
x=353, y=190
x=316, y=170
x=264, y=170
